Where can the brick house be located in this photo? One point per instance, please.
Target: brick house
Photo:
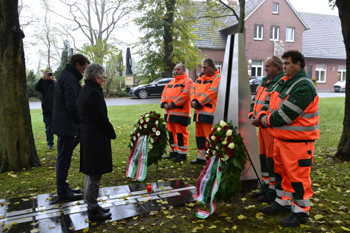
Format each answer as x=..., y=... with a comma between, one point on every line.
x=274, y=26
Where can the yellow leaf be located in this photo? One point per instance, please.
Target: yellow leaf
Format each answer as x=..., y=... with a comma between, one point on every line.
x=93, y=223
x=223, y=215
x=279, y=227
x=183, y=216
x=217, y=221
x=345, y=229
x=170, y=216
x=226, y=229
x=16, y=203
x=86, y=230
x=188, y=209
x=14, y=224
x=194, y=229
x=337, y=221
x=243, y=199
x=234, y=227
x=34, y=230
x=141, y=228
x=153, y=213
x=190, y=204
x=135, y=217
x=304, y=226
x=318, y=217
x=119, y=228
x=259, y=216
x=166, y=212
x=212, y=227
x=71, y=228
x=161, y=224
x=241, y=217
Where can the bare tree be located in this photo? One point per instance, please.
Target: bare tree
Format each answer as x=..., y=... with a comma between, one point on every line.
x=97, y=19
x=17, y=147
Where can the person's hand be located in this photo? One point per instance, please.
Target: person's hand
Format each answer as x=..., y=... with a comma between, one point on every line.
x=264, y=122
x=254, y=121
x=194, y=105
x=54, y=79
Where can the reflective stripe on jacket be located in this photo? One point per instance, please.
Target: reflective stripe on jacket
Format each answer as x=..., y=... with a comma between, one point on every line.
x=293, y=112
x=205, y=92
x=263, y=90
x=177, y=94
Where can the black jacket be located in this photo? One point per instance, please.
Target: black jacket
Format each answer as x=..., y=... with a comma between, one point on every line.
x=96, y=131
x=65, y=115
x=46, y=87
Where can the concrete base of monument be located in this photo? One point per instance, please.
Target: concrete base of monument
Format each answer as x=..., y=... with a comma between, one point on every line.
x=249, y=185
x=46, y=213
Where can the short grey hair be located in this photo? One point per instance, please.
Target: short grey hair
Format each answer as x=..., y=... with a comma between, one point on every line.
x=276, y=61
x=93, y=70
x=182, y=65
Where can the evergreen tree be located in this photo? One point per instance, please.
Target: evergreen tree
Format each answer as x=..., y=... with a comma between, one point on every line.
x=64, y=58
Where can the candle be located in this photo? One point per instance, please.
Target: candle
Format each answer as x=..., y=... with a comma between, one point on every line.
x=149, y=188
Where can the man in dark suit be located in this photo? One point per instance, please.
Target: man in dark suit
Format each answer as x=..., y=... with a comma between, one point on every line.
x=66, y=121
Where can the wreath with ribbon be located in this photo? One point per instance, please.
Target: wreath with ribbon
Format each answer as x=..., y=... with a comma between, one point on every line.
x=226, y=159
x=151, y=124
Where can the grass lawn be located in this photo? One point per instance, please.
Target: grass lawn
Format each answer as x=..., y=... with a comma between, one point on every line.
x=329, y=211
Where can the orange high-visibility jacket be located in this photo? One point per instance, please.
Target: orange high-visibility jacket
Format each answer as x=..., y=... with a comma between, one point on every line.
x=263, y=90
x=293, y=109
x=205, y=93
x=177, y=94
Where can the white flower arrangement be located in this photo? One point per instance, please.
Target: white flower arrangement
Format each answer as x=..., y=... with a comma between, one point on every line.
x=158, y=133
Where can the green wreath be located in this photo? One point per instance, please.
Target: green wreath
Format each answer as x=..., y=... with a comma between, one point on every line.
x=224, y=142
x=152, y=124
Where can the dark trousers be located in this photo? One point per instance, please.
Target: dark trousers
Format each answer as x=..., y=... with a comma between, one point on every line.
x=65, y=146
x=48, y=129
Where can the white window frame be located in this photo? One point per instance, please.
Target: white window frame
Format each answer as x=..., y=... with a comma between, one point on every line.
x=273, y=32
x=219, y=65
x=273, y=8
x=321, y=68
x=256, y=66
x=342, y=71
x=258, y=28
x=288, y=39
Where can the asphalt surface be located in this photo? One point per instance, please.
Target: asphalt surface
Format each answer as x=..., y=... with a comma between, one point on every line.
x=156, y=100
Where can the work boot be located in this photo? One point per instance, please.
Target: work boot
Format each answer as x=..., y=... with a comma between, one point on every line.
x=97, y=214
x=258, y=194
x=271, y=210
x=70, y=196
x=290, y=221
x=263, y=199
x=171, y=155
x=179, y=159
x=198, y=161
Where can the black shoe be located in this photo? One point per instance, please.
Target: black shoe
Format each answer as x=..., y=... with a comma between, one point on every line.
x=171, y=155
x=97, y=214
x=258, y=194
x=271, y=210
x=263, y=199
x=104, y=210
x=70, y=196
x=179, y=159
x=75, y=190
x=198, y=161
x=50, y=147
x=290, y=222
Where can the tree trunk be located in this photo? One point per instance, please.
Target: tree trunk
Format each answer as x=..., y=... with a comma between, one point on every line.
x=168, y=38
x=17, y=147
x=241, y=16
x=343, y=152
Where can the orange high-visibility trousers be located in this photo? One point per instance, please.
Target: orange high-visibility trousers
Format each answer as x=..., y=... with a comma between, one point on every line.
x=202, y=132
x=179, y=138
x=266, y=161
x=293, y=162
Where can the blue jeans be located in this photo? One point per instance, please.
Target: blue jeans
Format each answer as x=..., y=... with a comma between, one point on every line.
x=48, y=129
x=65, y=146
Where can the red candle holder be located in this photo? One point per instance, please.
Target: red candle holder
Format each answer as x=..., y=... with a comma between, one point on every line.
x=149, y=188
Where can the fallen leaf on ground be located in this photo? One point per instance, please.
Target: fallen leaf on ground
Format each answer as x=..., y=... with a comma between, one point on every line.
x=241, y=217
x=318, y=216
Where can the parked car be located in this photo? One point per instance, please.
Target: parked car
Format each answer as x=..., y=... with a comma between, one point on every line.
x=339, y=86
x=155, y=88
x=254, y=84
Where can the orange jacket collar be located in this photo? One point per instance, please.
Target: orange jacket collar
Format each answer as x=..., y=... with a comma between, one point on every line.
x=179, y=77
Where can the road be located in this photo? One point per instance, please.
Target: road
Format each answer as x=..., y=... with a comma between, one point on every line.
x=156, y=100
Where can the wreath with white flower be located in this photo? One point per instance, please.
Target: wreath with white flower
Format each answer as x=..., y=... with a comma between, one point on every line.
x=224, y=142
x=152, y=124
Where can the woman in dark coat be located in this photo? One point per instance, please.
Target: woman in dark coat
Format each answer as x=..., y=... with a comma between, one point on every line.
x=96, y=133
